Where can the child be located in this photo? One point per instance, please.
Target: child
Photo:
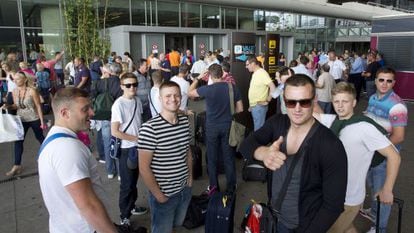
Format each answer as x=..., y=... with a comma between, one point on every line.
x=43, y=81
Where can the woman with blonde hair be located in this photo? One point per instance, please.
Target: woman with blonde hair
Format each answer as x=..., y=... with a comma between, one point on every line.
x=27, y=103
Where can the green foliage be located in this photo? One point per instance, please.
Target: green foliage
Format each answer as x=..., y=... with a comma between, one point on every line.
x=83, y=33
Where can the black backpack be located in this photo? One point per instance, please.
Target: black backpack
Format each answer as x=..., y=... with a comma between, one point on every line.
x=102, y=104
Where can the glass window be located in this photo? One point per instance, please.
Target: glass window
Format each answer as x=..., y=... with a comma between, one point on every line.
x=229, y=18
x=49, y=41
x=168, y=14
x=260, y=20
x=190, y=15
x=210, y=16
x=10, y=40
x=138, y=12
x=246, y=21
x=8, y=13
x=117, y=12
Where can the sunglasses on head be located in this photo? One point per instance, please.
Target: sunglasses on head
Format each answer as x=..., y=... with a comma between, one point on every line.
x=381, y=80
x=304, y=103
x=129, y=85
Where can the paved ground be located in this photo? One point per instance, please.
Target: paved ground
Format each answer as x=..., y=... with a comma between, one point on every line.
x=22, y=209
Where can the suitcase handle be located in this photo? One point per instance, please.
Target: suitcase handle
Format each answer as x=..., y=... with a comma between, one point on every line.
x=400, y=204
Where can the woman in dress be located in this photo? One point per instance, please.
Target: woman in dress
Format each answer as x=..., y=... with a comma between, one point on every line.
x=27, y=103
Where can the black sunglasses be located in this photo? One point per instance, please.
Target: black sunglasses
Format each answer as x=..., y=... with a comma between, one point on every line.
x=129, y=85
x=304, y=103
x=381, y=80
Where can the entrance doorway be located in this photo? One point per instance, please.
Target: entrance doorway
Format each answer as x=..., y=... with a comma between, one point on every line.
x=179, y=41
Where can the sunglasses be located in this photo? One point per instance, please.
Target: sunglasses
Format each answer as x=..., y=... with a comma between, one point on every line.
x=129, y=85
x=304, y=103
x=381, y=80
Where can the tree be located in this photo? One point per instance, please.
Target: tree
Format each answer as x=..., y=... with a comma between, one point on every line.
x=84, y=37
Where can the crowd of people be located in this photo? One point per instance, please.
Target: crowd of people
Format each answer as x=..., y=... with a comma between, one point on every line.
x=312, y=143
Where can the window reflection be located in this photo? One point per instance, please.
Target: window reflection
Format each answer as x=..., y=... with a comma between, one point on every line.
x=210, y=16
x=168, y=14
x=246, y=21
x=229, y=18
x=190, y=15
x=8, y=13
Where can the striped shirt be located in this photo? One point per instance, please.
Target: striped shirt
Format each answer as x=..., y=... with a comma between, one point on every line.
x=169, y=144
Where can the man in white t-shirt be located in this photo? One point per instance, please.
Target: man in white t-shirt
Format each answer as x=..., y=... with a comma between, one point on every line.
x=154, y=98
x=360, y=148
x=126, y=119
x=184, y=85
x=68, y=177
x=337, y=67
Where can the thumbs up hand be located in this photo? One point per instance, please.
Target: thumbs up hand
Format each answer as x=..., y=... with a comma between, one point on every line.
x=274, y=158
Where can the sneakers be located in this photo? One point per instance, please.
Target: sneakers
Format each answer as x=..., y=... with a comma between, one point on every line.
x=139, y=210
x=110, y=176
x=211, y=190
x=101, y=161
x=366, y=213
x=125, y=222
x=371, y=230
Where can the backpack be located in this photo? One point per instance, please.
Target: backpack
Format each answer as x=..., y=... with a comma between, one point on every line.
x=102, y=104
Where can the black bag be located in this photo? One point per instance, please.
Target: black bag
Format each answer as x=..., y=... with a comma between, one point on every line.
x=267, y=220
x=201, y=127
x=254, y=171
x=400, y=204
x=220, y=213
x=197, y=161
x=115, y=143
x=196, y=212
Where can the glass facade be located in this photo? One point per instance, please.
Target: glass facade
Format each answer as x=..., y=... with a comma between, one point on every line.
x=27, y=25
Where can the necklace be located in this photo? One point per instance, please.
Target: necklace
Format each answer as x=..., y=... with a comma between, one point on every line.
x=21, y=99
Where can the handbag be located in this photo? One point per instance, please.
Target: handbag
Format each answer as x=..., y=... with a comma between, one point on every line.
x=11, y=128
x=115, y=143
x=237, y=130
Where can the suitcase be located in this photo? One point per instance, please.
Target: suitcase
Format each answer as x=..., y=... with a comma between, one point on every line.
x=201, y=127
x=400, y=204
x=197, y=161
x=220, y=213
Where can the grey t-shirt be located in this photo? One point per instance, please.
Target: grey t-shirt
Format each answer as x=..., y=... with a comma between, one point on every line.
x=289, y=211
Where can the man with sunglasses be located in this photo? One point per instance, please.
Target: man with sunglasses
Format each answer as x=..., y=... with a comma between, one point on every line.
x=387, y=109
x=315, y=193
x=360, y=148
x=122, y=114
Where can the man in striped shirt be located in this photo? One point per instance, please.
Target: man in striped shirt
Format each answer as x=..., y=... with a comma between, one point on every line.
x=165, y=161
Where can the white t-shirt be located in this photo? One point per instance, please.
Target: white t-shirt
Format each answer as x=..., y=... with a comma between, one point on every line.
x=324, y=93
x=198, y=67
x=301, y=69
x=122, y=112
x=360, y=140
x=184, y=86
x=10, y=84
x=155, y=103
x=61, y=167
x=336, y=68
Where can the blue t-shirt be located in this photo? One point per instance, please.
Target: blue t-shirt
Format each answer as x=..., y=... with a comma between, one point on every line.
x=218, y=102
x=43, y=79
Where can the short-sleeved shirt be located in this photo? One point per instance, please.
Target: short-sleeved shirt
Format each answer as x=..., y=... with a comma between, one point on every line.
x=259, y=89
x=324, y=93
x=166, y=65
x=144, y=87
x=169, y=144
x=337, y=68
x=83, y=71
x=174, y=58
x=59, y=168
x=360, y=148
x=372, y=68
x=155, y=103
x=122, y=112
x=389, y=111
x=184, y=86
x=218, y=102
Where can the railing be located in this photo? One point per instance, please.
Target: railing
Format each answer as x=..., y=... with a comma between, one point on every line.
x=389, y=7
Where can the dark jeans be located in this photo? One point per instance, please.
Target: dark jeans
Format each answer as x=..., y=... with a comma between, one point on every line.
x=217, y=138
x=128, y=192
x=18, y=145
x=283, y=229
x=146, y=113
x=357, y=80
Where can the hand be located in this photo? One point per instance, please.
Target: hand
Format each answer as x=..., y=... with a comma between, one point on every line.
x=43, y=126
x=162, y=198
x=190, y=181
x=274, y=159
x=386, y=197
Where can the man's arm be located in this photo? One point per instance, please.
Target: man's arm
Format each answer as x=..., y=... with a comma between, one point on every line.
x=90, y=206
x=239, y=106
x=397, y=135
x=121, y=135
x=272, y=88
x=190, y=167
x=82, y=82
x=192, y=90
x=145, y=158
x=393, y=165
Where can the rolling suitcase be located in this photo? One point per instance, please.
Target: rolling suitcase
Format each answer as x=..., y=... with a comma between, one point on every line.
x=400, y=204
x=197, y=161
x=220, y=213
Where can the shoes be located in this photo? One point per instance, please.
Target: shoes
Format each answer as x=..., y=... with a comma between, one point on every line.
x=371, y=230
x=125, y=222
x=101, y=161
x=139, y=210
x=366, y=213
x=211, y=190
x=110, y=176
x=16, y=170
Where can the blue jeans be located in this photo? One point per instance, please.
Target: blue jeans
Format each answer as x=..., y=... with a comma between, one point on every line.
x=166, y=216
x=217, y=142
x=128, y=192
x=18, y=145
x=375, y=180
x=259, y=115
x=326, y=107
x=103, y=144
x=371, y=88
